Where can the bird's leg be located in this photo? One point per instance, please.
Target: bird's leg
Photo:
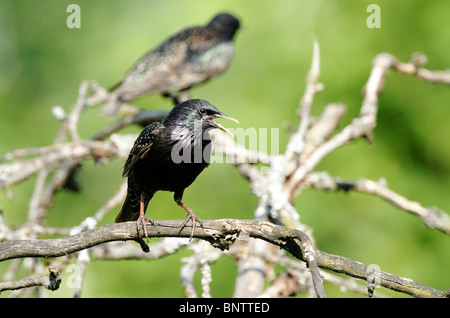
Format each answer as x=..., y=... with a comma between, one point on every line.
x=142, y=218
x=190, y=216
x=182, y=96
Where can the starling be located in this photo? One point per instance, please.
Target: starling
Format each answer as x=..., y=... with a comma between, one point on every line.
x=168, y=155
x=187, y=58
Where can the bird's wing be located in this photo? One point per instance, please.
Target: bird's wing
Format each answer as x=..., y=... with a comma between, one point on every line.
x=187, y=58
x=142, y=145
x=208, y=53
x=155, y=71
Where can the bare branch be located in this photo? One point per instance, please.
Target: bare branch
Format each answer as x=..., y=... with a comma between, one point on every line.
x=18, y=171
x=275, y=187
x=348, y=284
x=125, y=251
x=361, y=126
x=224, y=145
x=220, y=233
x=414, y=68
x=74, y=117
x=50, y=282
x=321, y=131
x=142, y=118
x=431, y=217
x=204, y=254
x=285, y=285
x=297, y=141
x=252, y=268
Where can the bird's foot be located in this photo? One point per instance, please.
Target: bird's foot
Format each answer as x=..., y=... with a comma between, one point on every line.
x=177, y=98
x=191, y=216
x=143, y=220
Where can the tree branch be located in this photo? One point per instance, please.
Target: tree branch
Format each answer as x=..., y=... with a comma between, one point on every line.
x=220, y=233
x=276, y=187
x=18, y=171
x=431, y=217
x=51, y=282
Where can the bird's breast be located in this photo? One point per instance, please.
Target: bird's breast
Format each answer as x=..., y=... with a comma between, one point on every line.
x=214, y=60
x=172, y=164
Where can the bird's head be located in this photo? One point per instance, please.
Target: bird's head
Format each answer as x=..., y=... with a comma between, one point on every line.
x=196, y=114
x=225, y=24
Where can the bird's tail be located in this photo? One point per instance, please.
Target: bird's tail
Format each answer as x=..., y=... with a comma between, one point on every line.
x=128, y=211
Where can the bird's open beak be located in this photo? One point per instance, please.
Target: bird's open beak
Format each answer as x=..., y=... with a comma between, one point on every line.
x=217, y=125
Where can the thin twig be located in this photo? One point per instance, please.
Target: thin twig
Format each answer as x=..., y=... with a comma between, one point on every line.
x=431, y=217
x=297, y=141
x=18, y=171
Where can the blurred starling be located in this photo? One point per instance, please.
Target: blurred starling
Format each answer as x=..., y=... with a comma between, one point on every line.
x=187, y=58
x=168, y=155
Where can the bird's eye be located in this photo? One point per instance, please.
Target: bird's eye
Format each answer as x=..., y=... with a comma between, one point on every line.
x=202, y=111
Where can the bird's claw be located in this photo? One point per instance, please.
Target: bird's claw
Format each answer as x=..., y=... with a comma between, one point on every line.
x=143, y=220
x=191, y=216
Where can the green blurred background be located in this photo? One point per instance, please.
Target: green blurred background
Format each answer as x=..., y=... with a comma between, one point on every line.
x=43, y=62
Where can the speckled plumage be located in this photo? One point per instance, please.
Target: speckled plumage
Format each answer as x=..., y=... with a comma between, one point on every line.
x=187, y=58
x=168, y=155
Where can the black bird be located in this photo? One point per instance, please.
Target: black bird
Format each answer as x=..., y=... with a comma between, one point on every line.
x=168, y=155
x=187, y=58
